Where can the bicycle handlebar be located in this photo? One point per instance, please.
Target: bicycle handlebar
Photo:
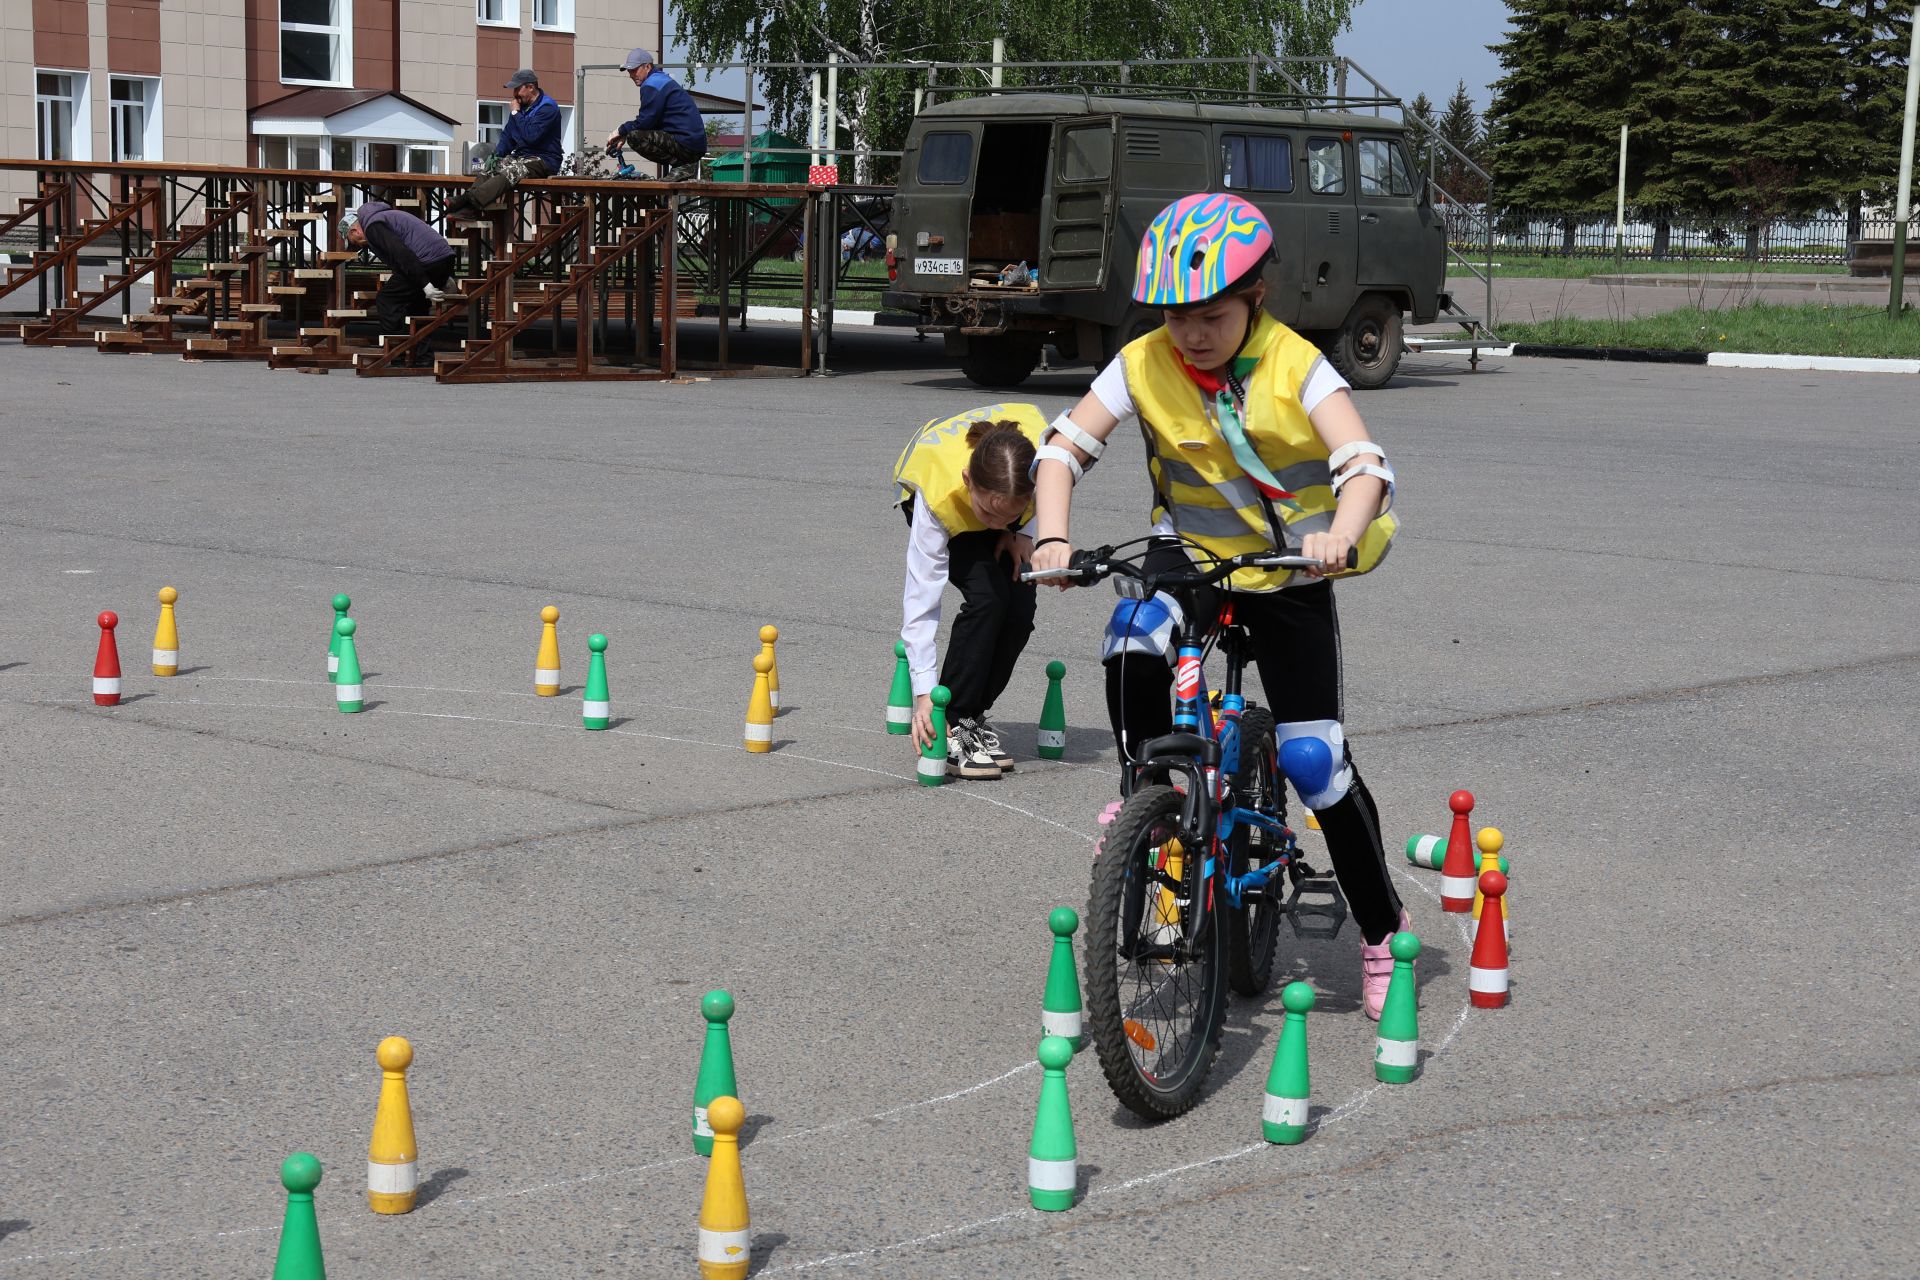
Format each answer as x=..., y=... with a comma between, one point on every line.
x=1088, y=567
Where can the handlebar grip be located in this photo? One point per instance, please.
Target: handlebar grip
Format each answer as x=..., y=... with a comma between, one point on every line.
x=1353, y=557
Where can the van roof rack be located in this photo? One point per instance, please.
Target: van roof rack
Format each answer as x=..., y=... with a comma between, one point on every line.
x=1198, y=95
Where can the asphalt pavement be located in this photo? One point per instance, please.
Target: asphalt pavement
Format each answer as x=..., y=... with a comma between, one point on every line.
x=1662, y=621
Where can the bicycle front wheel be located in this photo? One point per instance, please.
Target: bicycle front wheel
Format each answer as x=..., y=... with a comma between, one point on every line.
x=1156, y=992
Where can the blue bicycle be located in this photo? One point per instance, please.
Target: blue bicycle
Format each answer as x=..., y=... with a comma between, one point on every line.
x=1193, y=876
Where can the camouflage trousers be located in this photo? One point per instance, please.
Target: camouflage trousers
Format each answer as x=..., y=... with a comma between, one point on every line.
x=509, y=173
x=660, y=147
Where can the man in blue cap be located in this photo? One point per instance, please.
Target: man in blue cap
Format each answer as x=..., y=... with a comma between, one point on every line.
x=668, y=130
x=529, y=147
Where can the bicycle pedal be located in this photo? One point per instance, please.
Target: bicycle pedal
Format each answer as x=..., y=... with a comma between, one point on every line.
x=1316, y=908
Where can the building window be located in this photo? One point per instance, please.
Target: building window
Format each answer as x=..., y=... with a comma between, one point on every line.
x=425, y=159
x=278, y=152
x=492, y=120
x=134, y=117
x=59, y=106
x=497, y=13
x=552, y=15
x=316, y=42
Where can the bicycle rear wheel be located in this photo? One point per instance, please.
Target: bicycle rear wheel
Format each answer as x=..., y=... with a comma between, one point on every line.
x=1155, y=999
x=1253, y=929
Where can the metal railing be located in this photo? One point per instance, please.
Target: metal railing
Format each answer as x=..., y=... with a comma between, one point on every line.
x=1825, y=240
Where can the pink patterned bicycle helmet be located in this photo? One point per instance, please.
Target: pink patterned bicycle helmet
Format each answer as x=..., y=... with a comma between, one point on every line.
x=1198, y=248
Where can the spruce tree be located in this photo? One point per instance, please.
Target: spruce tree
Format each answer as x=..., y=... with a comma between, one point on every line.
x=1874, y=36
x=1554, y=123
x=1459, y=126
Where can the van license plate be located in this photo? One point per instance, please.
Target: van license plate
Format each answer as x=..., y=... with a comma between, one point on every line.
x=939, y=267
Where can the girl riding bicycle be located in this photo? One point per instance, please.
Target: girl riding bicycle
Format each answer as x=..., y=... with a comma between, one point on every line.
x=966, y=488
x=1253, y=443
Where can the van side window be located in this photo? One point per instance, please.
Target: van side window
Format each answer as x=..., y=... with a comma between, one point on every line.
x=1086, y=154
x=1383, y=169
x=946, y=158
x=1256, y=162
x=1326, y=167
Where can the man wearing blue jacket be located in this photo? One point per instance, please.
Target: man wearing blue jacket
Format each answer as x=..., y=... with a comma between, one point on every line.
x=529, y=147
x=668, y=130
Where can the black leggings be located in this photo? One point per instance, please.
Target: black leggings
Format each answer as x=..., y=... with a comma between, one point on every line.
x=991, y=630
x=1295, y=636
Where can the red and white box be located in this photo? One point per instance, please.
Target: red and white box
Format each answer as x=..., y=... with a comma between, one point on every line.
x=823, y=175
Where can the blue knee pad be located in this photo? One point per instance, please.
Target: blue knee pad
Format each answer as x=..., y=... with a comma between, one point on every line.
x=1142, y=627
x=1313, y=755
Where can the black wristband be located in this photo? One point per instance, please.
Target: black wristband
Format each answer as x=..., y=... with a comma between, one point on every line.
x=1044, y=541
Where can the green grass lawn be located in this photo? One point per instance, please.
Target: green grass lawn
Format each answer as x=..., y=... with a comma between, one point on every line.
x=860, y=293
x=1543, y=267
x=1810, y=330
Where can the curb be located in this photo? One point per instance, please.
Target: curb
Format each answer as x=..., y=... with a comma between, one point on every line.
x=1721, y=359
x=1634, y=355
x=791, y=315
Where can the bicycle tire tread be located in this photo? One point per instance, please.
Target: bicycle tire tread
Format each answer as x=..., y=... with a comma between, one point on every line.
x=1106, y=1022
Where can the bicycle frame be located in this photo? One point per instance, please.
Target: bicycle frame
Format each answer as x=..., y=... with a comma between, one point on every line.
x=1206, y=752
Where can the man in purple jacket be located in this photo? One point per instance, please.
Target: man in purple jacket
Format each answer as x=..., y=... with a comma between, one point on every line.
x=419, y=259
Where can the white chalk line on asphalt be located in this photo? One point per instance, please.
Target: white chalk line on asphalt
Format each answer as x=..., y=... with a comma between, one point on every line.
x=1345, y=1110
x=1351, y=1107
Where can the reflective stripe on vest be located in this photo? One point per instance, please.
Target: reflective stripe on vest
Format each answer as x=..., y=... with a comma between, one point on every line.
x=929, y=467
x=1198, y=484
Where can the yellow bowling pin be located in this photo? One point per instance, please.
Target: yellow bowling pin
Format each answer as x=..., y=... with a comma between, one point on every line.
x=166, y=637
x=392, y=1169
x=760, y=706
x=726, y=1243
x=546, y=664
x=768, y=634
x=1490, y=842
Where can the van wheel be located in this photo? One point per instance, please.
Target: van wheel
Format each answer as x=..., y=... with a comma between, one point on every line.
x=1366, y=349
x=999, y=362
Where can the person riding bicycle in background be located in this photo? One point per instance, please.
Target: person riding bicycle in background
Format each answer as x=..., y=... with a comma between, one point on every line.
x=1253, y=443
x=966, y=488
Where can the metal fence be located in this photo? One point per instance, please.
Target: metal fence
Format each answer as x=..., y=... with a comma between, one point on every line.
x=1651, y=236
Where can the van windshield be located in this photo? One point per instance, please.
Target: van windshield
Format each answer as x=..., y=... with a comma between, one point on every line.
x=946, y=158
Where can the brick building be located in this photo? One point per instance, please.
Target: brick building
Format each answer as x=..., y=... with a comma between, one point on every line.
x=313, y=84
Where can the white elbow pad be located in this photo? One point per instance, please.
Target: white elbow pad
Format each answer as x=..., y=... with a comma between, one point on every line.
x=1084, y=442
x=1058, y=454
x=1346, y=454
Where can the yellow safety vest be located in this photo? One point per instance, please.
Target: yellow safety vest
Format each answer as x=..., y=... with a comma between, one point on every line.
x=930, y=466
x=1197, y=483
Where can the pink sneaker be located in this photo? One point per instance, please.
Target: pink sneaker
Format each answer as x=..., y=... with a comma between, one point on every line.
x=1376, y=970
x=1107, y=815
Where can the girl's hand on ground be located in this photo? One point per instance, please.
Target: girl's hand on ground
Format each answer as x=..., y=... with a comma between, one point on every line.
x=1330, y=549
x=922, y=720
x=1017, y=548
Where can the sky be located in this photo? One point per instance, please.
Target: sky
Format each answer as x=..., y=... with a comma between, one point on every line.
x=1410, y=46
x=1427, y=46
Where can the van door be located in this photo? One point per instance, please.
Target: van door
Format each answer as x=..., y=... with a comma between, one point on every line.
x=1396, y=248
x=932, y=205
x=1258, y=164
x=1329, y=255
x=1076, y=222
